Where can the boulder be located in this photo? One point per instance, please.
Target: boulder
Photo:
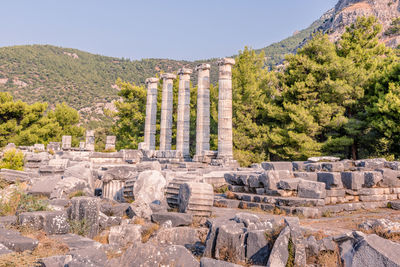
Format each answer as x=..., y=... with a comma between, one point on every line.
x=13, y=240
x=44, y=186
x=230, y=243
x=309, y=189
x=371, y=179
x=258, y=249
x=177, y=219
x=108, y=221
x=85, y=211
x=139, y=209
x=52, y=222
x=149, y=187
x=372, y=250
x=184, y=236
x=82, y=171
x=122, y=235
x=270, y=179
x=288, y=184
x=279, y=253
x=69, y=185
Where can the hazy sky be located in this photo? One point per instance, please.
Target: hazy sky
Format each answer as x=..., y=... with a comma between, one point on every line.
x=177, y=29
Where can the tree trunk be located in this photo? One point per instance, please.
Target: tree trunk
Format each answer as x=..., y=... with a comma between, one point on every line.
x=354, y=151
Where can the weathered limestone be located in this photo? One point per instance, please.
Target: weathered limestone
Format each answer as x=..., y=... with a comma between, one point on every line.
x=89, y=142
x=183, y=125
x=196, y=198
x=166, y=111
x=151, y=114
x=66, y=142
x=225, y=144
x=110, y=142
x=85, y=211
x=114, y=189
x=203, y=110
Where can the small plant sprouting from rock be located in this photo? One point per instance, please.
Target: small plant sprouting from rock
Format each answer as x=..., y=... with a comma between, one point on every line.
x=149, y=231
x=19, y=201
x=79, y=227
x=291, y=252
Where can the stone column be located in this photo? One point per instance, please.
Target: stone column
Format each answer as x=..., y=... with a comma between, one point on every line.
x=89, y=143
x=183, y=125
x=110, y=142
x=66, y=142
x=203, y=109
x=225, y=145
x=166, y=111
x=151, y=114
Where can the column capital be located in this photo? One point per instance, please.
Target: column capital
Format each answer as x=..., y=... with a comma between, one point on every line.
x=184, y=71
x=152, y=80
x=226, y=61
x=167, y=76
x=203, y=66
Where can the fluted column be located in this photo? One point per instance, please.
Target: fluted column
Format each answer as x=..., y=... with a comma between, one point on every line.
x=183, y=125
x=203, y=109
x=166, y=111
x=151, y=114
x=225, y=143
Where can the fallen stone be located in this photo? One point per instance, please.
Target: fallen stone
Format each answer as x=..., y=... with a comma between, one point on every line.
x=139, y=209
x=230, y=243
x=122, y=235
x=183, y=236
x=309, y=189
x=196, y=198
x=85, y=210
x=372, y=250
x=70, y=185
x=44, y=186
x=177, y=219
x=332, y=167
x=279, y=253
x=149, y=187
x=148, y=255
x=258, y=249
x=390, y=178
x=82, y=171
x=13, y=240
x=52, y=222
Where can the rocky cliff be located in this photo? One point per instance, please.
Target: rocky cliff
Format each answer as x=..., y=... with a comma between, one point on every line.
x=347, y=11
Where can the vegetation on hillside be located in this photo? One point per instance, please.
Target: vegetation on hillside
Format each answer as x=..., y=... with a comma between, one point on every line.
x=330, y=99
x=25, y=124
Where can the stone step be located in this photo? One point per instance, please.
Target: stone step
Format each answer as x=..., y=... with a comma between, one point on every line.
x=285, y=201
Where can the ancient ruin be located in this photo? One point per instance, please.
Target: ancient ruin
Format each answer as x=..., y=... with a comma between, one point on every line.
x=108, y=207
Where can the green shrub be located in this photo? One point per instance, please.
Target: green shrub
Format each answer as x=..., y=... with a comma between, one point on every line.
x=78, y=193
x=19, y=202
x=13, y=160
x=79, y=227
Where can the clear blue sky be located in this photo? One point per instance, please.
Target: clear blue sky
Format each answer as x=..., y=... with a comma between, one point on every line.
x=177, y=29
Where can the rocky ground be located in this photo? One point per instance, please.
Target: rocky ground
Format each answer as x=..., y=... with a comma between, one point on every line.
x=127, y=209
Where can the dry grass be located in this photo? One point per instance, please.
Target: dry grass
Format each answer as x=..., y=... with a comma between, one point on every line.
x=220, y=205
x=379, y=231
x=149, y=231
x=230, y=195
x=325, y=259
x=278, y=211
x=47, y=247
x=78, y=193
x=319, y=235
x=271, y=236
x=139, y=221
x=102, y=237
x=221, y=189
